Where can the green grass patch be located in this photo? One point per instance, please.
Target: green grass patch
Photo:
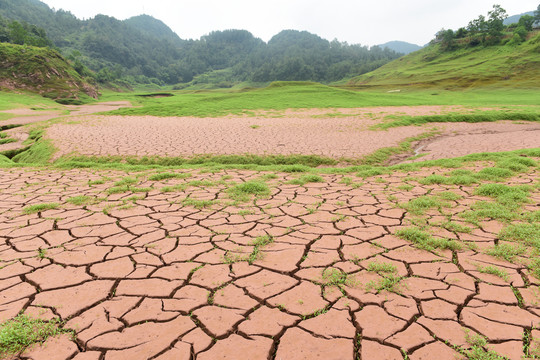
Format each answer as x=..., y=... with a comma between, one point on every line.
x=484, y=116
x=22, y=332
x=38, y=154
x=7, y=141
x=32, y=209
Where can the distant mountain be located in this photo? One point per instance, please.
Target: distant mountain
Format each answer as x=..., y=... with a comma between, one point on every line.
x=401, y=47
x=515, y=18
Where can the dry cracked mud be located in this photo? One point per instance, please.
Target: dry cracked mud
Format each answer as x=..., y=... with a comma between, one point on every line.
x=145, y=274
x=306, y=132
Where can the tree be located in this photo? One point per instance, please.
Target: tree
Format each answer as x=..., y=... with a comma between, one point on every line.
x=478, y=25
x=527, y=22
x=17, y=33
x=446, y=37
x=495, y=23
x=537, y=15
x=461, y=33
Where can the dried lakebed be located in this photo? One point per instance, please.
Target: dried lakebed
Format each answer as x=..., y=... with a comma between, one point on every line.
x=168, y=267
x=308, y=132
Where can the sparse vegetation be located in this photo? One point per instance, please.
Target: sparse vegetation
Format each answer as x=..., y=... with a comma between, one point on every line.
x=32, y=209
x=23, y=331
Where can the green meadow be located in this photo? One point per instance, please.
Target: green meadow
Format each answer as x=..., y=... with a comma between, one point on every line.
x=282, y=96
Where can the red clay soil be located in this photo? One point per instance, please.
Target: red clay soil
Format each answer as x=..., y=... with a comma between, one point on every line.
x=308, y=132
x=150, y=278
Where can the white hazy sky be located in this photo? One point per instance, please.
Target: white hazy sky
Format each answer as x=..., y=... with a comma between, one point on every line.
x=366, y=22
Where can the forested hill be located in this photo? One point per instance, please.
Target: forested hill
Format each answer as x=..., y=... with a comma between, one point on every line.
x=143, y=50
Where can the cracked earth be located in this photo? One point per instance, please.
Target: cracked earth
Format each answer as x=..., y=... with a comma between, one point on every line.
x=146, y=275
x=307, y=132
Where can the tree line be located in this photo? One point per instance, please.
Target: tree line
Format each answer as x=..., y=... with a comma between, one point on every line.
x=489, y=30
x=144, y=50
x=22, y=33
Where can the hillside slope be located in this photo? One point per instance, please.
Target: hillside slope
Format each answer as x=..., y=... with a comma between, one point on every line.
x=501, y=66
x=41, y=70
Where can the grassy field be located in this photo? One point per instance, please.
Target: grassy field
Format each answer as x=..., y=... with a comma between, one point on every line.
x=12, y=100
x=281, y=96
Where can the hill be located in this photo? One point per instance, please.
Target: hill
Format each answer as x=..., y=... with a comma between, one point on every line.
x=41, y=70
x=402, y=47
x=499, y=65
x=145, y=50
x=153, y=27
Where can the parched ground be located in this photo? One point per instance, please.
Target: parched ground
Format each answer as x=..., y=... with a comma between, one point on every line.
x=146, y=274
x=307, y=132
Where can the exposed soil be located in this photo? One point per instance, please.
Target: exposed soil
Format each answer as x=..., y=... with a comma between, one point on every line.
x=158, y=280
x=29, y=116
x=151, y=277
x=308, y=132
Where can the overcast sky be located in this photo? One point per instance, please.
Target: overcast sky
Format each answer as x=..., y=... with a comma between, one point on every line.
x=365, y=22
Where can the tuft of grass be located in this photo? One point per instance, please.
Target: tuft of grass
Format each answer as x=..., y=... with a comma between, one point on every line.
x=421, y=204
x=168, y=175
x=506, y=251
x=336, y=277
x=126, y=181
x=82, y=200
x=370, y=172
x=493, y=270
x=23, y=331
x=96, y=182
x=389, y=282
x=456, y=227
x=32, y=209
x=308, y=178
x=258, y=243
x=528, y=234
x=424, y=240
x=379, y=267
x=175, y=188
x=199, y=204
x=489, y=210
x=244, y=191
x=478, y=350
